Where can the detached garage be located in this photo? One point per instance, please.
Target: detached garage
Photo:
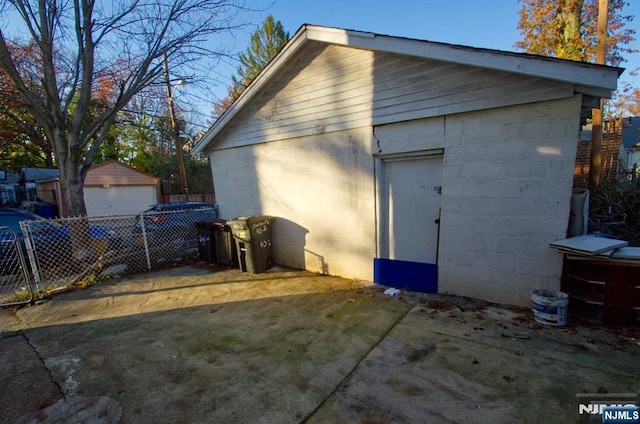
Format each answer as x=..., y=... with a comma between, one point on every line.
x=112, y=188
x=421, y=160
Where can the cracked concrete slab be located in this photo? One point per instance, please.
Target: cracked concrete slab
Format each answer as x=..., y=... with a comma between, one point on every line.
x=26, y=383
x=194, y=344
x=446, y=364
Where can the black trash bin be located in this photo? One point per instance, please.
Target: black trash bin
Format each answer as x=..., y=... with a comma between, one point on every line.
x=224, y=244
x=253, y=242
x=206, y=240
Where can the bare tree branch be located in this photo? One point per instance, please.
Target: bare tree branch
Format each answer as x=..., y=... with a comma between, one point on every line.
x=88, y=46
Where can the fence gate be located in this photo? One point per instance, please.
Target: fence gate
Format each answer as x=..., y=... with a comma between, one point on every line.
x=14, y=273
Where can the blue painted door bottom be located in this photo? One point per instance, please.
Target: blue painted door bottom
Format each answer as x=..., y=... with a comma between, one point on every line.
x=409, y=275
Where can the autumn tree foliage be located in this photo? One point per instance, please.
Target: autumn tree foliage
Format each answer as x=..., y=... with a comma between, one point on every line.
x=567, y=29
x=94, y=56
x=633, y=101
x=626, y=102
x=266, y=42
x=22, y=140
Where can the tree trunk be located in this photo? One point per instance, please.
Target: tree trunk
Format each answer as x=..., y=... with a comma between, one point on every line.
x=72, y=189
x=71, y=185
x=71, y=176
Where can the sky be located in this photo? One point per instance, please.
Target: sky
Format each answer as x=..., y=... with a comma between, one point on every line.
x=489, y=24
x=478, y=23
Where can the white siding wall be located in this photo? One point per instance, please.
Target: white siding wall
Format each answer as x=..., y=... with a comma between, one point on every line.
x=319, y=188
x=324, y=89
x=331, y=88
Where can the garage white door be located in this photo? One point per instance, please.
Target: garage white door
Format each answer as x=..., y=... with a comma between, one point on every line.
x=410, y=208
x=118, y=200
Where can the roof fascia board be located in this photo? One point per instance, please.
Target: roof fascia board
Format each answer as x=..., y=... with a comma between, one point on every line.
x=280, y=60
x=520, y=63
x=593, y=91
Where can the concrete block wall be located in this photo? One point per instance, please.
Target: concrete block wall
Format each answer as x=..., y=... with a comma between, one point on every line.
x=506, y=190
x=507, y=185
x=321, y=191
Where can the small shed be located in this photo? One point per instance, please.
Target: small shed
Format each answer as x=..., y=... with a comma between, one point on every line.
x=112, y=188
x=407, y=161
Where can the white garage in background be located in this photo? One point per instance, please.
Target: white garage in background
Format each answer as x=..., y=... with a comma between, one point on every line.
x=112, y=188
x=409, y=162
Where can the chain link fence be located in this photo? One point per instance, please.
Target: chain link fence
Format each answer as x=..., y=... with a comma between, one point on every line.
x=14, y=280
x=61, y=253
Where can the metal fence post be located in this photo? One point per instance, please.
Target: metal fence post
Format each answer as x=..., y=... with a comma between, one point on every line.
x=144, y=240
x=31, y=254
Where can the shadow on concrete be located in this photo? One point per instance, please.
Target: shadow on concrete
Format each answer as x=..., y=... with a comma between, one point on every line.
x=263, y=350
x=289, y=346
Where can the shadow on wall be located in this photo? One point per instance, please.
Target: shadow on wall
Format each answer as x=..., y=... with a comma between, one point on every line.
x=289, y=247
x=316, y=262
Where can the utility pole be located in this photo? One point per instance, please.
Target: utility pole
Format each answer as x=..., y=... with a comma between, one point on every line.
x=595, y=167
x=174, y=126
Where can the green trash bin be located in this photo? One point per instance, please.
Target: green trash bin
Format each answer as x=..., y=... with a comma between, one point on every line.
x=253, y=242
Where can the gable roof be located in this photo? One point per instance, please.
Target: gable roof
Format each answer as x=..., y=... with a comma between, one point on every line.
x=594, y=81
x=39, y=174
x=114, y=173
x=631, y=132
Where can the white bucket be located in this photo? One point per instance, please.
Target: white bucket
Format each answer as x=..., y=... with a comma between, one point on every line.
x=550, y=307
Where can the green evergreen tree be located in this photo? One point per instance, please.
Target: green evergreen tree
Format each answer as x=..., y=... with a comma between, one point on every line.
x=266, y=42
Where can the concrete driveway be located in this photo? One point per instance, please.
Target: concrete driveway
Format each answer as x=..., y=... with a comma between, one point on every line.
x=195, y=345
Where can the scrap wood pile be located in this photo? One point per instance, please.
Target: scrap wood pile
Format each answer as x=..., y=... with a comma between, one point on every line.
x=614, y=210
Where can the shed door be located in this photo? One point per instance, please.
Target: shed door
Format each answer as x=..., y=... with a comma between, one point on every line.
x=410, y=208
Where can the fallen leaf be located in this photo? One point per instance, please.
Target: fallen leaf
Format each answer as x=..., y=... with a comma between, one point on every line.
x=515, y=335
